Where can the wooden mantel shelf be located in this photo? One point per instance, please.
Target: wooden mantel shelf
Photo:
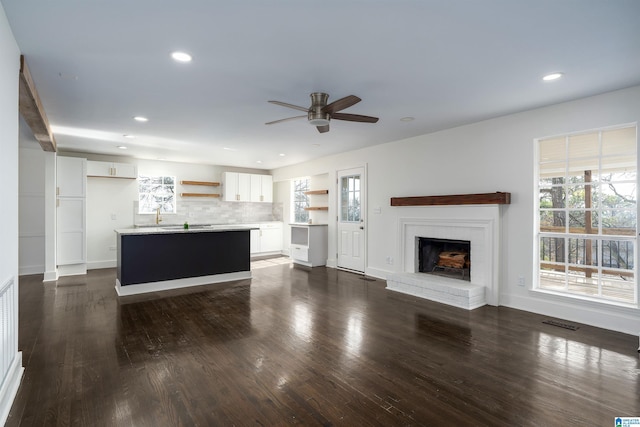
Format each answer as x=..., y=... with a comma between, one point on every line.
x=498, y=198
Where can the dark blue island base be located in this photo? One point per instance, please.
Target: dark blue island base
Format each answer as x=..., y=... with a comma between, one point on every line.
x=154, y=261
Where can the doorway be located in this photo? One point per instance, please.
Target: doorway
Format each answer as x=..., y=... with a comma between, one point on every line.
x=351, y=190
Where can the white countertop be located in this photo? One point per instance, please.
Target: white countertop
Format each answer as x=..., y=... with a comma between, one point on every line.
x=180, y=229
x=305, y=224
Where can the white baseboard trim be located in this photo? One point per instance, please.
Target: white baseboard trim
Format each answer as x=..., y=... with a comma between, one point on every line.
x=626, y=321
x=377, y=273
x=166, y=285
x=50, y=276
x=72, y=269
x=10, y=387
x=96, y=265
x=26, y=270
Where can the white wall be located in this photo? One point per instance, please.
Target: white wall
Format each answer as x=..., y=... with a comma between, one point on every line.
x=489, y=156
x=10, y=358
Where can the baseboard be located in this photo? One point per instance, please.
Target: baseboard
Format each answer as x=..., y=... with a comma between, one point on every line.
x=377, y=273
x=50, y=276
x=26, y=270
x=10, y=387
x=625, y=320
x=72, y=269
x=96, y=265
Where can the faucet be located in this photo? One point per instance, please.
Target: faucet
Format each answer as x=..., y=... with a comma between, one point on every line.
x=158, y=217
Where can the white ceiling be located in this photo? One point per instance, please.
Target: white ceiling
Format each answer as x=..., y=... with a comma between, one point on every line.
x=98, y=63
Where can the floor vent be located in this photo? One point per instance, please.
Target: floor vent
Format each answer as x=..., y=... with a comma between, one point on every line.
x=562, y=325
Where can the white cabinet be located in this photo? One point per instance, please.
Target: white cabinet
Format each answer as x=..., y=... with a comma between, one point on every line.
x=261, y=188
x=309, y=244
x=112, y=170
x=70, y=176
x=271, y=237
x=71, y=213
x=237, y=187
x=246, y=187
x=267, y=240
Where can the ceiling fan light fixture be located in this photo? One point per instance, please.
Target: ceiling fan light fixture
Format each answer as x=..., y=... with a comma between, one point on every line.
x=319, y=122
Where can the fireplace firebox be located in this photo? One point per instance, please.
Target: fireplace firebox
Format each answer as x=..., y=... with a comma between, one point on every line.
x=444, y=257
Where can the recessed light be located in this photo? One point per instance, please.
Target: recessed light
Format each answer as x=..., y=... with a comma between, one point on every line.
x=407, y=119
x=552, y=76
x=140, y=119
x=281, y=154
x=122, y=147
x=181, y=56
x=258, y=161
x=128, y=136
x=229, y=149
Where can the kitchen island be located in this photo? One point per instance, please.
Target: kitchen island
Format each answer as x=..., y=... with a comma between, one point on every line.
x=161, y=258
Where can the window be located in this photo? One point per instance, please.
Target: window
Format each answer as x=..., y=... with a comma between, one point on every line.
x=350, y=198
x=156, y=192
x=587, y=214
x=300, y=200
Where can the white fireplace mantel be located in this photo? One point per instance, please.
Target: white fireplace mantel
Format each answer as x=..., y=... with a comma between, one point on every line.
x=480, y=225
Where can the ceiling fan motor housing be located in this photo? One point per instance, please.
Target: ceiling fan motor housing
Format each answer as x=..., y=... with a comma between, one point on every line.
x=315, y=115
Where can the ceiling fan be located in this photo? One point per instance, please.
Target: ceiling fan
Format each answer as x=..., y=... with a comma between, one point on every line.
x=320, y=113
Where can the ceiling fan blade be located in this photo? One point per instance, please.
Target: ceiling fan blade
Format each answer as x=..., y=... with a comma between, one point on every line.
x=341, y=104
x=286, y=120
x=323, y=129
x=295, y=107
x=354, y=118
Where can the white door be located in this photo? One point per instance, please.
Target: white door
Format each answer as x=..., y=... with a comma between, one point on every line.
x=351, y=219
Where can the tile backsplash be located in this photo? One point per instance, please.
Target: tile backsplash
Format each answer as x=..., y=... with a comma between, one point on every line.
x=214, y=212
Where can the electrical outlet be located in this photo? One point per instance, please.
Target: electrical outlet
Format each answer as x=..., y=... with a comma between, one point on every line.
x=521, y=281
x=113, y=217
x=389, y=260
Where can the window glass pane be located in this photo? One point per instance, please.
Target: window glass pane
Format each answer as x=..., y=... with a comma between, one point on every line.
x=585, y=145
x=552, y=221
x=617, y=254
x=156, y=193
x=552, y=150
x=620, y=222
x=619, y=141
x=577, y=196
x=552, y=249
x=618, y=168
x=551, y=172
x=300, y=200
x=621, y=195
x=552, y=197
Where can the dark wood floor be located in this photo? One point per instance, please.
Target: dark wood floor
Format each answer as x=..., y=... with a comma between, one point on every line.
x=310, y=347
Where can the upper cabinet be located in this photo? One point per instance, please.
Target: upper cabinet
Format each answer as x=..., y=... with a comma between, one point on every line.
x=245, y=187
x=261, y=188
x=112, y=170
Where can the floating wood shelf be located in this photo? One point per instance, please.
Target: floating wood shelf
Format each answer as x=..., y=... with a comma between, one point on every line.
x=316, y=192
x=317, y=208
x=498, y=198
x=199, y=195
x=207, y=183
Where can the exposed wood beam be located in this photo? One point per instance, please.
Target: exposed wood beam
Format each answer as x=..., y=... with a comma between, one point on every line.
x=32, y=110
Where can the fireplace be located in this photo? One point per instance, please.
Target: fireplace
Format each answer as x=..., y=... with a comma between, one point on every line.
x=444, y=257
x=478, y=227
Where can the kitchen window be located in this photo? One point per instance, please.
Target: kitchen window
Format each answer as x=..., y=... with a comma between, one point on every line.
x=156, y=192
x=586, y=211
x=300, y=200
